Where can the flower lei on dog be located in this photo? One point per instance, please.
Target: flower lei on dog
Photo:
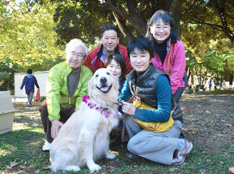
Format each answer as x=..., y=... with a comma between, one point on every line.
x=87, y=100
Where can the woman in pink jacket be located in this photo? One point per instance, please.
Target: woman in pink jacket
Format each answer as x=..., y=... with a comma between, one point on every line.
x=169, y=53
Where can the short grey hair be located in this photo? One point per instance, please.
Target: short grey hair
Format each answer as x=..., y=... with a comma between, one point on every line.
x=76, y=42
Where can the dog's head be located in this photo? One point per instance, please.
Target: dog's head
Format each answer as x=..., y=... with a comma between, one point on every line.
x=103, y=86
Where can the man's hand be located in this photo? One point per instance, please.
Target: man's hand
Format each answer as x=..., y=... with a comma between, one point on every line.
x=56, y=125
x=128, y=108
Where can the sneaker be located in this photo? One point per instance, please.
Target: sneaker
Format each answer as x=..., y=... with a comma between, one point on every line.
x=46, y=146
x=180, y=157
x=29, y=105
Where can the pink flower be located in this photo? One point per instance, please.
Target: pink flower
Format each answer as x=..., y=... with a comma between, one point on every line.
x=85, y=98
x=104, y=111
x=107, y=114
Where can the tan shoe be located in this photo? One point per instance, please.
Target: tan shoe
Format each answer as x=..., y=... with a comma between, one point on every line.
x=180, y=158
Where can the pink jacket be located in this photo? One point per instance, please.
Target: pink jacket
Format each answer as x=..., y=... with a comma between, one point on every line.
x=177, y=65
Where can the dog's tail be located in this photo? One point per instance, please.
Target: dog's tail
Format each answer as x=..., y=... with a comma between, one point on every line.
x=62, y=158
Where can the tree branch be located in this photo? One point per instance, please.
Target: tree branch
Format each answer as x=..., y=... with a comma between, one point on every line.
x=120, y=10
x=137, y=21
x=174, y=9
x=222, y=16
x=188, y=9
x=123, y=28
x=197, y=20
x=132, y=6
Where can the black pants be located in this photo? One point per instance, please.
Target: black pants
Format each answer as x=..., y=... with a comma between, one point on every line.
x=65, y=114
x=177, y=95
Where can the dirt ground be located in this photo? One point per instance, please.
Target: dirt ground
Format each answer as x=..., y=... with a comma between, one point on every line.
x=208, y=124
x=208, y=119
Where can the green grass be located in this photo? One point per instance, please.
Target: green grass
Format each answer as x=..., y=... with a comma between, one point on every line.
x=21, y=153
x=230, y=91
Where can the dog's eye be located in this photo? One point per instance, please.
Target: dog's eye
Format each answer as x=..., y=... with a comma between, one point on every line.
x=97, y=75
x=107, y=73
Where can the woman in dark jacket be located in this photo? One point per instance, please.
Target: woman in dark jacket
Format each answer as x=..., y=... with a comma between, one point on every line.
x=29, y=81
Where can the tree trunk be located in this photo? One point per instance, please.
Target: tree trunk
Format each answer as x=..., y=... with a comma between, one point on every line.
x=231, y=79
x=192, y=75
x=133, y=15
x=175, y=13
x=136, y=20
x=226, y=71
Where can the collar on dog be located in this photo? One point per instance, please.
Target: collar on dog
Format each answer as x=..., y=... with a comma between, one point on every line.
x=91, y=105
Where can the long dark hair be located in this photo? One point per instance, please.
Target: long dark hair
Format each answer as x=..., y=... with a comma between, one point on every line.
x=166, y=18
x=120, y=60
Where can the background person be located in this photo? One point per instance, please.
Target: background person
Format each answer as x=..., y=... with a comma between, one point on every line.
x=29, y=81
x=109, y=45
x=66, y=84
x=209, y=83
x=160, y=31
x=151, y=86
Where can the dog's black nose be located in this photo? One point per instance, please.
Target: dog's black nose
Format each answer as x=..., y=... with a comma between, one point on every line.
x=103, y=80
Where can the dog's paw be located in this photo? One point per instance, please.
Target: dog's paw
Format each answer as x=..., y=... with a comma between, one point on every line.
x=110, y=156
x=94, y=168
x=72, y=168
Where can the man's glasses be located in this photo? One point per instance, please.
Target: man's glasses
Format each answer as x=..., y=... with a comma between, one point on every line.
x=80, y=56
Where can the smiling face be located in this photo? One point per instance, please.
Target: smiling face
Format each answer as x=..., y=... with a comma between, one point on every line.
x=140, y=60
x=115, y=68
x=110, y=41
x=160, y=30
x=103, y=87
x=75, y=57
x=103, y=81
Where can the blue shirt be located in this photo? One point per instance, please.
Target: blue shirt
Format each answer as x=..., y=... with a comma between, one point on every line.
x=163, y=93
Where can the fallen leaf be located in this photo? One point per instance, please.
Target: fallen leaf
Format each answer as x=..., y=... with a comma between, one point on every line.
x=173, y=169
x=13, y=164
x=231, y=170
x=46, y=168
x=8, y=167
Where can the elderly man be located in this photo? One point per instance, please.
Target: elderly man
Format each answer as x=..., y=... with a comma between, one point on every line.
x=66, y=84
x=110, y=45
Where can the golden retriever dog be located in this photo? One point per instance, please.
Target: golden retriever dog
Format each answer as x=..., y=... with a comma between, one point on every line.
x=84, y=138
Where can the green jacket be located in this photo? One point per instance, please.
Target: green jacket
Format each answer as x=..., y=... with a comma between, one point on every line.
x=57, y=92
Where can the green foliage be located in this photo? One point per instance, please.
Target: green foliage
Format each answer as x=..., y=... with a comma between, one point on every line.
x=3, y=75
x=215, y=92
x=28, y=37
x=33, y=34
x=80, y=19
